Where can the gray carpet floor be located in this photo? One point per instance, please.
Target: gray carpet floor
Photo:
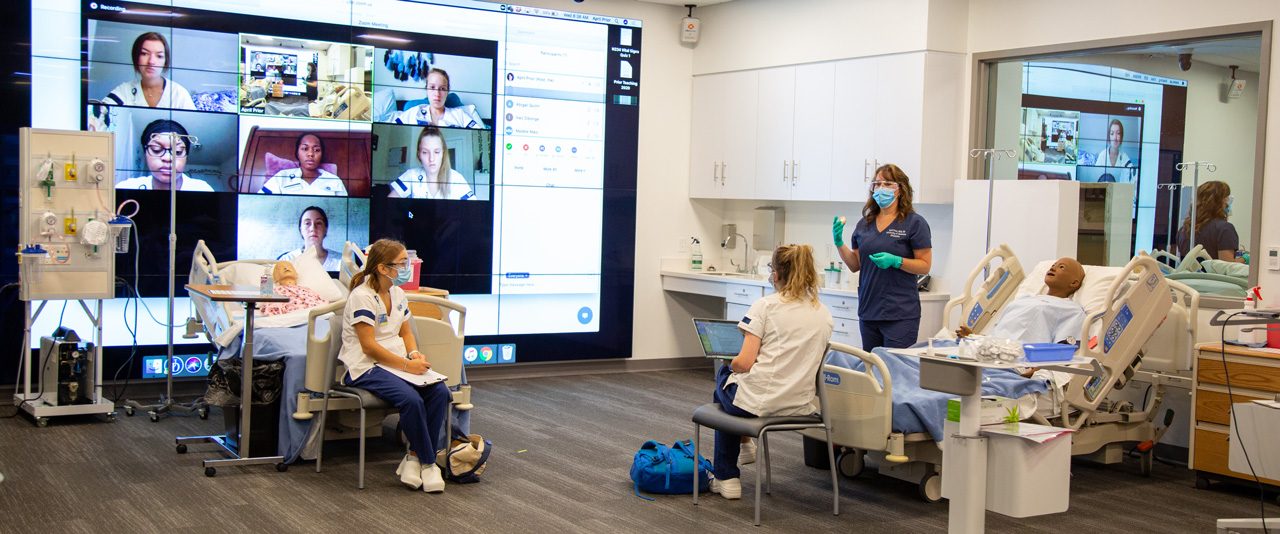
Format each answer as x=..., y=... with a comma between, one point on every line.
x=562, y=450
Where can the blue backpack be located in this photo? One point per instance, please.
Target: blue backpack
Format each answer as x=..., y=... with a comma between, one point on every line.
x=657, y=468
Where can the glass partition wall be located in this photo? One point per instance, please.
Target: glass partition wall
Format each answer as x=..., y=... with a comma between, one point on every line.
x=1162, y=134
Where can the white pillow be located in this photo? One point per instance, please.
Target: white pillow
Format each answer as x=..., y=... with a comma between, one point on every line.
x=311, y=274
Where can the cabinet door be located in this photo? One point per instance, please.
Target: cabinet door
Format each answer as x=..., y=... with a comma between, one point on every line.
x=852, y=129
x=776, y=119
x=846, y=331
x=899, y=98
x=811, y=143
x=706, y=151
x=735, y=312
x=738, y=172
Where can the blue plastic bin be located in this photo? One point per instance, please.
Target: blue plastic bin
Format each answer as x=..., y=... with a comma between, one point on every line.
x=1048, y=352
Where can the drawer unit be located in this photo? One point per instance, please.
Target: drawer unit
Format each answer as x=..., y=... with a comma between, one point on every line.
x=846, y=331
x=1212, y=456
x=742, y=293
x=1253, y=375
x=1259, y=375
x=1215, y=406
x=840, y=306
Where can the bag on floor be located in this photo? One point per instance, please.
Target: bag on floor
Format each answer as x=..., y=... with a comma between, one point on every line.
x=465, y=460
x=657, y=468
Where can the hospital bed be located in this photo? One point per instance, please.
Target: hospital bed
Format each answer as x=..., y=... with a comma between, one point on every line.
x=1204, y=273
x=1133, y=302
x=303, y=339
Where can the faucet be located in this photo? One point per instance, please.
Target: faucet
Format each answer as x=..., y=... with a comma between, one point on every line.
x=747, y=266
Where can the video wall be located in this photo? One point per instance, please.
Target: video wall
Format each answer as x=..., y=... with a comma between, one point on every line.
x=1101, y=124
x=498, y=142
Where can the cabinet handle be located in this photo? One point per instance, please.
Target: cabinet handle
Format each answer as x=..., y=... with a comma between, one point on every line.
x=865, y=177
x=784, y=170
x=724, y=171
x=795, y=171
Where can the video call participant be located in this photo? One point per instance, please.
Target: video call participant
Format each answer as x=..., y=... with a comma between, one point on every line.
x=166, y=157
x=890, y=246
x=152, y=89
x=435, y=113
x=1112, y=156
x=1219, y=237
x=308, y=178
x=435, y=179
x=313, y=225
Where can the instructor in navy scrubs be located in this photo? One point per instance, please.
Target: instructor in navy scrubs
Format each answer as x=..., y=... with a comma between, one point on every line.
x=890, y=245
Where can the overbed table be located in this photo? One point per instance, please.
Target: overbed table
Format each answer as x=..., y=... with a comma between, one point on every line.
x=250, y=297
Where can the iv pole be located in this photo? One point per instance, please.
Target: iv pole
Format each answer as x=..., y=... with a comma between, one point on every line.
x=167, y=404
x=1169, y=232
x=1195, y=188
x=990, y=155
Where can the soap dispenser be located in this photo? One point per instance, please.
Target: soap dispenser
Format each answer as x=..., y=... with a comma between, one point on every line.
x=695, y=258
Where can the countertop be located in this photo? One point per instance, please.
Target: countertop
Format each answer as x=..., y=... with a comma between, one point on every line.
x=759, y=280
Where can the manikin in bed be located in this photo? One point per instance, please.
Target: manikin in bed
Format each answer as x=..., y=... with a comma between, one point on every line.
x=1051, y=317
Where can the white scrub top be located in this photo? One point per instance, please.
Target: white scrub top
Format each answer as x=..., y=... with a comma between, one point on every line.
x=1103, y=159
x=332, y=260
x=145, y=182
x=129, y=93
x=459, y=117
x=290, y=182
x=1040, y=319
x=413, y=184
x=793, y=341
x=364, y=306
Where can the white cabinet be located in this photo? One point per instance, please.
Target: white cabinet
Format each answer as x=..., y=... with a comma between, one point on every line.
x=722, y=157
x=793, y=132
x=902, y=109
x=818, y=131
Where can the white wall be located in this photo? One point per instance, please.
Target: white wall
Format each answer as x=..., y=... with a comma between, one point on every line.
x=990, y=30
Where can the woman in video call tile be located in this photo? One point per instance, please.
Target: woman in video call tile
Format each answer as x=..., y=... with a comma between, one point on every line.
x=307, y=178
x=313, y=224
x=152, y=89
x=435, y=179
x=166, y=157
x=435, y=113
x=1112, y=156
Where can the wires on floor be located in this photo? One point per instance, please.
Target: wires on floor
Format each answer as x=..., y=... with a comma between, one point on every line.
x=1235, y=425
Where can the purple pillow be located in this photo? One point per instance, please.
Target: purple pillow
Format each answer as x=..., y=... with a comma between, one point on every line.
x=276, y=164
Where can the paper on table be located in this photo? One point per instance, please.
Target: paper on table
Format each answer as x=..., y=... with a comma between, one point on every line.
x=429, y=377
x=1027, y=431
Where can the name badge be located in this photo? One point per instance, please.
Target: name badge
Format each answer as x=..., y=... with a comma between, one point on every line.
x=382, y=318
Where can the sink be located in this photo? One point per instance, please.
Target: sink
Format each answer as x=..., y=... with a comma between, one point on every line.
x=729, y=274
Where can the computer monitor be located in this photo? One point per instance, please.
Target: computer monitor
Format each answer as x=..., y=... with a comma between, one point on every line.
x=719, y=338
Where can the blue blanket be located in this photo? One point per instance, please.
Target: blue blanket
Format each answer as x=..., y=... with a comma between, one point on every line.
x=290, y=345
x=916, y=409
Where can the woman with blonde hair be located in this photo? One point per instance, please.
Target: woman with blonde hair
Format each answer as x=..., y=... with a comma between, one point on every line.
x=435, y=179
x=891, y=245
x=376, y=337
x=785, y=336
x=1219, y=237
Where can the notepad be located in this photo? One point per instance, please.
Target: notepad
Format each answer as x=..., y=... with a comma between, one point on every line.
x=429, y=377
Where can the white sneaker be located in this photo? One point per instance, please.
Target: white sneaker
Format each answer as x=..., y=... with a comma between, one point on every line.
x=410, y=471
x=432, y=480
x=748, y=453
x=729, y=489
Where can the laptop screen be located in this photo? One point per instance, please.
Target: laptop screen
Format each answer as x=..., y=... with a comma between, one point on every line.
x=719, y=338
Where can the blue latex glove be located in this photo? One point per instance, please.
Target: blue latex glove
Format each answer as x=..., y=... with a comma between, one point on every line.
x=837, y=231
x=885, y=260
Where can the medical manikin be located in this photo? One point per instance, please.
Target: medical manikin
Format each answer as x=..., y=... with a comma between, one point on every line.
x=301, y=297
x=1048, y=318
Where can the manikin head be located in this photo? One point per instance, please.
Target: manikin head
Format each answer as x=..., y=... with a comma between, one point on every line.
x=1064, y=277
x=285, y=274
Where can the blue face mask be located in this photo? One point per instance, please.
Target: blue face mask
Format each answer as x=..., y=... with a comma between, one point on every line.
x=883, y=196
x=403, y=276
x=1229, y=201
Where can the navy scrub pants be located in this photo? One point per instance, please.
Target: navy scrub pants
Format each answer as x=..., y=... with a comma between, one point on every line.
x=725, y=456
x=422, y=409
x=896, y=334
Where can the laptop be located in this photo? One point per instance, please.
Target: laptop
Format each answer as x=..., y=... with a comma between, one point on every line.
x=720, y=338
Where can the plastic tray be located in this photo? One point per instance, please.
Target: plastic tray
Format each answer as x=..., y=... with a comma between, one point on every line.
x=1048, y=352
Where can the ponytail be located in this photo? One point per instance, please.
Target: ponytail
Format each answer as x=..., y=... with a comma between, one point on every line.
x=796, y=274
x=381, y=252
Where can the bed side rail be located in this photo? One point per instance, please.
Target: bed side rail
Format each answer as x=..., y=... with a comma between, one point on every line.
x=1000, y=284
